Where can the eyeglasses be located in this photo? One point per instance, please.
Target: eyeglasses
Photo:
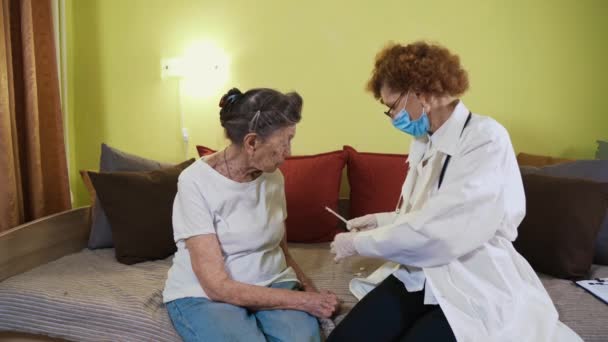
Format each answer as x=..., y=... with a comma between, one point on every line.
x=388, y=112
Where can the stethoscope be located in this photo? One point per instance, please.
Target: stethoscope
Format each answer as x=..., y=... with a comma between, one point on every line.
x=443, y=168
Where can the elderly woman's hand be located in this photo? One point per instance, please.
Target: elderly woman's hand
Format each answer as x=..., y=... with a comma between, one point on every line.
x=343, y=246
x=365, y=222
x=323, y=304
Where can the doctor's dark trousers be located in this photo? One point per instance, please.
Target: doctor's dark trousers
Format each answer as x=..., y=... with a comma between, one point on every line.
x=391, y=313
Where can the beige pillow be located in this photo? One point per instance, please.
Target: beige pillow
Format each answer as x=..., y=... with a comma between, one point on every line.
x=90, y=189
x=538, y=160
x=88, y=185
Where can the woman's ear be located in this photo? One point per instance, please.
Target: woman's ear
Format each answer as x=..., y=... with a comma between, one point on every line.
x=250, y=142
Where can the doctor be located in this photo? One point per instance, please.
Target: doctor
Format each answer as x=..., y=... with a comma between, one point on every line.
x=453, y=274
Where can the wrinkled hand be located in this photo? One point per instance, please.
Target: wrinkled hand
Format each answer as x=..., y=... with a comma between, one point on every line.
x=366, y=222
x=343, y=246
x=323, y=304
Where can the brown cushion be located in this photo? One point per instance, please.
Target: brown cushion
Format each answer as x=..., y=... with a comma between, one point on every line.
x=113, y=160
x=538, y=160
x=563, y=217
x=139, y=207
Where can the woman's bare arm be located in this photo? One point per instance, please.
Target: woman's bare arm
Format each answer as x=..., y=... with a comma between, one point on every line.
x=208, y=265
x=307, y=284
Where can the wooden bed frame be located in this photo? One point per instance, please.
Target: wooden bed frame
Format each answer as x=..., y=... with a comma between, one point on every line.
x=39, y=242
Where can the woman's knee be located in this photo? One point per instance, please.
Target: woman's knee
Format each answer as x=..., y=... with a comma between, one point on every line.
x=181, y=323
x=289, y=325
x=309, y=328
x=199, y=319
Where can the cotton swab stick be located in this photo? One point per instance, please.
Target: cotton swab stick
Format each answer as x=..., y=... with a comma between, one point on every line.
x=337, y=215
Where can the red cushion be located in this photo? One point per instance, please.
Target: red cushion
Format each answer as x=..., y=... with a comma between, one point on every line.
x=375, y=181
x=203, y=150
x=311, y=183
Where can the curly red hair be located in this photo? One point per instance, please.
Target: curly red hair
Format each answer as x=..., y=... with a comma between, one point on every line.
x=420, y=67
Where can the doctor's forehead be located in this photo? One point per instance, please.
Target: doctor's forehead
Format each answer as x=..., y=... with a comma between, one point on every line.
x=388, y=96
x=387, y=93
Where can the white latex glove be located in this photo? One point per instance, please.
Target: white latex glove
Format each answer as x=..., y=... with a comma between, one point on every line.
x=343, y=246
x=362, y=223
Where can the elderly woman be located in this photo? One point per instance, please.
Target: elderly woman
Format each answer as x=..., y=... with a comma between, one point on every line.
x=453, y=273
x=232, y=277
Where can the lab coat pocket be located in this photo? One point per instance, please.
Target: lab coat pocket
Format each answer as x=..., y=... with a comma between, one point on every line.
x=472, y=300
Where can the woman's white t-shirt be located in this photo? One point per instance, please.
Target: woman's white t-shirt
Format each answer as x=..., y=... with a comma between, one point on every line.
x=248, y=219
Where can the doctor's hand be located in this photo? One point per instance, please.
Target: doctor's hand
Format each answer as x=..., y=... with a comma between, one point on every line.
x=343, y=246
x=362, y=223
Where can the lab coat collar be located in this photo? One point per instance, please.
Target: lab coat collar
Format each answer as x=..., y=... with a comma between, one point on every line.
x=447, y=137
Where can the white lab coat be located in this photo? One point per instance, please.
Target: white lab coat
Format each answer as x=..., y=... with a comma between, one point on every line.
x=461, y=236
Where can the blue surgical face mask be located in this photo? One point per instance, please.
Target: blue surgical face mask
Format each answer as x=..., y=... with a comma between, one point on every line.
x=404, y=123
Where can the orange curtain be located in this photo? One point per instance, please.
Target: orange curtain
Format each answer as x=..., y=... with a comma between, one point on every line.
x=33, y=167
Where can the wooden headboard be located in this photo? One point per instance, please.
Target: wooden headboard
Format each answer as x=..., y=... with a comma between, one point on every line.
x=38, y=242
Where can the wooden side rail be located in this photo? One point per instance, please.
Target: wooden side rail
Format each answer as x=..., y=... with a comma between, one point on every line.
x=23, y=337
x=38, y=242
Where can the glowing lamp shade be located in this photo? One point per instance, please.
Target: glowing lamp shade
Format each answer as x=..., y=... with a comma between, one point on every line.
x=205, y=69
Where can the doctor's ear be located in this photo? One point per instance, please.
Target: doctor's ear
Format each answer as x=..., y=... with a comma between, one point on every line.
x=434, y=101
x=425, y=100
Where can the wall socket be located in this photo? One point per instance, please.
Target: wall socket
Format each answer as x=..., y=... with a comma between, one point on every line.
x=185, y=135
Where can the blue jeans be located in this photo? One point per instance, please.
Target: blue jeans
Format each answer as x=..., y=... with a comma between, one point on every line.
x=200, y=319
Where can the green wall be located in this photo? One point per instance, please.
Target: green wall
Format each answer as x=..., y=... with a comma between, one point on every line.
x=537, y=66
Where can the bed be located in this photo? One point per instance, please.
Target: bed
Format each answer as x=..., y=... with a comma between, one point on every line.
x=52, y=288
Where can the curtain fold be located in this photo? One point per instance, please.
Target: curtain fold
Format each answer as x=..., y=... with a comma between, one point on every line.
x=33, y=165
